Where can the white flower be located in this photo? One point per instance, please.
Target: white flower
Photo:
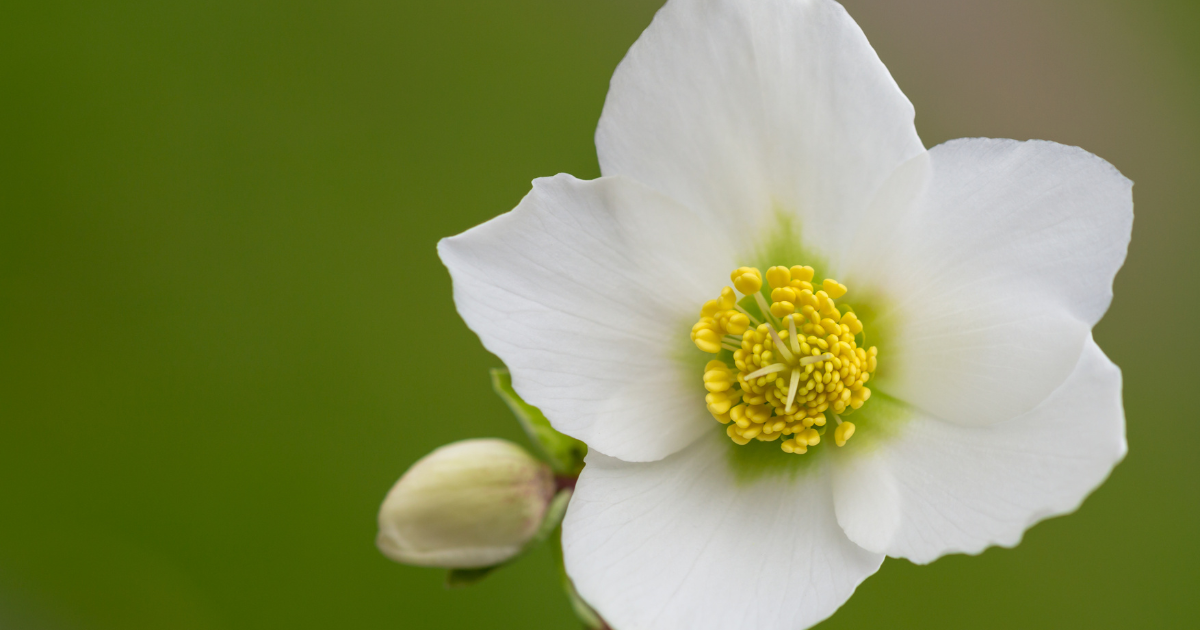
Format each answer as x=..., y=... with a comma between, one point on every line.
x=766, y=133
x=468, y=504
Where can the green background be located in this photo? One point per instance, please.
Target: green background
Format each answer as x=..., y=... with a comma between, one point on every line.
x=224, y=331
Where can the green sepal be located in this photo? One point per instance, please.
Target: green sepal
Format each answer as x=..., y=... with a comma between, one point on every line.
x=563, y=453
x=459, y=578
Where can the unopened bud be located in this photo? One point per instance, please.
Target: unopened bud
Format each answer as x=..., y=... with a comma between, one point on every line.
x=470, y=504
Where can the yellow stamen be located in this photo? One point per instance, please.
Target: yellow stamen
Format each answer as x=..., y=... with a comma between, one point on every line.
x=843, y=432
x=817, y=348
x=746, y=279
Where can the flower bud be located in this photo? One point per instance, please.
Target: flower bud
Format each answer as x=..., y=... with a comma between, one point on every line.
x=468, y=504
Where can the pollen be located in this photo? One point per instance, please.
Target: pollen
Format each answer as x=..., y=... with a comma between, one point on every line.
x=787, y=355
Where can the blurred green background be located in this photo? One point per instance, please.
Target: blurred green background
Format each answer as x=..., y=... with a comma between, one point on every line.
x=224, y=331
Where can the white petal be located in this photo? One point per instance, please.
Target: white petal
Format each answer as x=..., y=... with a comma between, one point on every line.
x=992, y=259
x=588, y=291
x=744, y=109
x=683, y=544
x=942, y=488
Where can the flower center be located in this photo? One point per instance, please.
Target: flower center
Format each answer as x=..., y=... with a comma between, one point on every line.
x=793, y=359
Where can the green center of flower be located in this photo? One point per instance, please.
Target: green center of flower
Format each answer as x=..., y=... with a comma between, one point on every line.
x=782, y=366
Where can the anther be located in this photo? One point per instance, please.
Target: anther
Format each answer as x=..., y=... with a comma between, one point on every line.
x=746, y=279
x=843, y=432
x=802, y=274
x=833, y=288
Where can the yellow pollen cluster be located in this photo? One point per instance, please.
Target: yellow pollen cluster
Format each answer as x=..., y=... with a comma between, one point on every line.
x=790, y=370
x=719, y=318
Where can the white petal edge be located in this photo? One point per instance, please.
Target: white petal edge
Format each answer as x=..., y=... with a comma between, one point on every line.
x=992, y=260
x=942, y=488
x=681, y=544
x=587, y=291
x=744, y=109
